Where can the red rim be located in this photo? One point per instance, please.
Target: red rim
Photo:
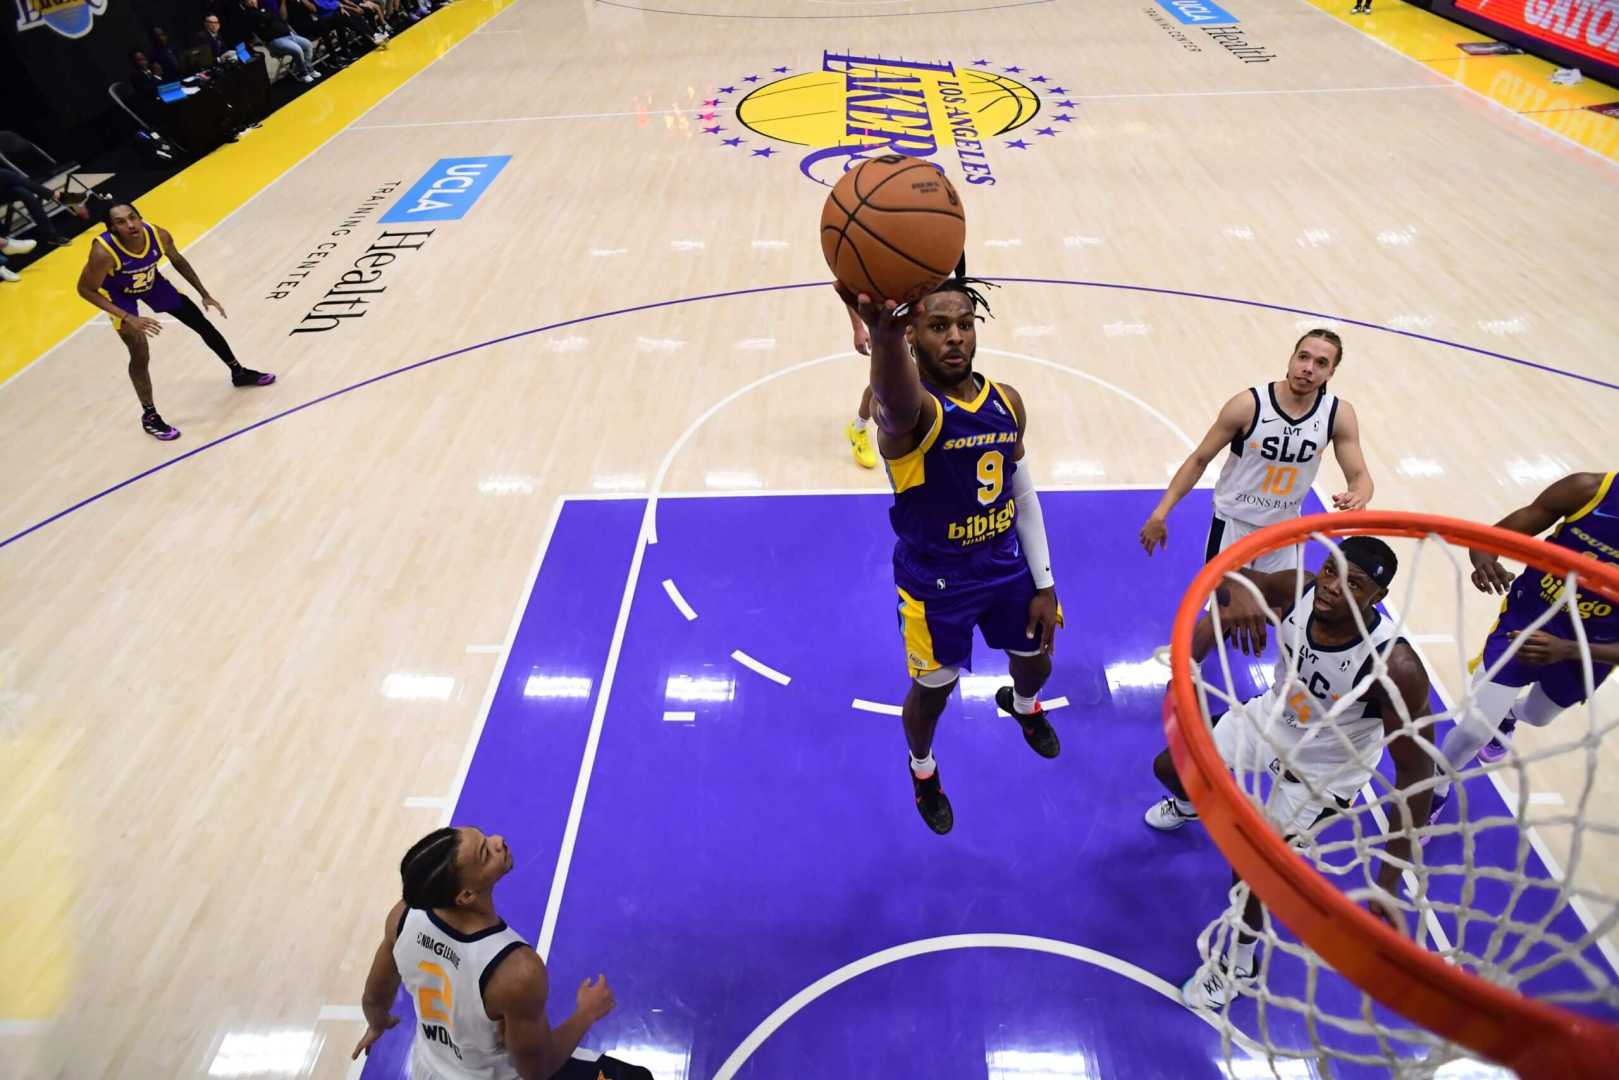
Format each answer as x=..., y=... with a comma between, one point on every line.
x=1534, y=1038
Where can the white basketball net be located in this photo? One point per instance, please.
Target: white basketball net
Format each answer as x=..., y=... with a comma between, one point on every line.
x=1507, y=889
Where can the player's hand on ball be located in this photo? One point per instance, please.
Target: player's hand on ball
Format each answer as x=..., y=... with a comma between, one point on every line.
x=1542, y=648
x=1045, y=619
x=1488, y=573
x=1155, y=533
x=372, y=1034
x=145, y=326
x=1348, y=500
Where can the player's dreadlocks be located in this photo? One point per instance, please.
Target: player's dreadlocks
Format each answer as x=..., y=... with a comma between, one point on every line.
x=968, y=287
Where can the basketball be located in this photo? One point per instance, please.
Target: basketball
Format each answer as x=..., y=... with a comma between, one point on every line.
x=893, y=228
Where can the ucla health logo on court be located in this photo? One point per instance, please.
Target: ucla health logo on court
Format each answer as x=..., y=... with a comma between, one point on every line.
x=963, y=117
x=446, y=192
x=70, y=18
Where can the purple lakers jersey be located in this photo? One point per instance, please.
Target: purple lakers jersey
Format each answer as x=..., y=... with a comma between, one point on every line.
x=953, y=493
x=135, y=272
x=1592, y=531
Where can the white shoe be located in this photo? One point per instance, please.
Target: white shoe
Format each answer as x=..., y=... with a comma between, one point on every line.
x=1165, y=815
x=8, y=275
x=18, y=247
x=379, y=38
x=1210, y=986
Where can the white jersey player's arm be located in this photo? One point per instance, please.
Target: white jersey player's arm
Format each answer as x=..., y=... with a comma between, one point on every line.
x=1405, y=703
x=381, y=984
x=1244, y=616
x=1236, y=417
x=515, y=998
x=1346, y=448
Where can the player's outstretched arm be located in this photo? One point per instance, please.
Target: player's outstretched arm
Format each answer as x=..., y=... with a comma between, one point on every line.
x=183, y=267
x=1236, y=417
x=1244, y=617
x=381, y=984
x=1412, y=764
x=1567, y=496
x=1351, y=459
x=898, y=401
x=515, y=997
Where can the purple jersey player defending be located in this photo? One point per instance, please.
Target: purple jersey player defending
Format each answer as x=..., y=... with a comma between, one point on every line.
x=1548, y=661
x=122, y=273
x=972, y=546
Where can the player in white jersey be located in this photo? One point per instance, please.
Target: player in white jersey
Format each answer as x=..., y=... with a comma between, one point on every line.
x=1276, y=433
x=1317, y=731
x=479, y=990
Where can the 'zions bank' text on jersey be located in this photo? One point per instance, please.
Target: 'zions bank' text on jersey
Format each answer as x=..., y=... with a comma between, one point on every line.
x=445, y=972
x=953, y=493
x=1274, y=462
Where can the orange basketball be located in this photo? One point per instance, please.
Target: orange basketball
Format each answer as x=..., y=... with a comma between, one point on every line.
x=893, y=228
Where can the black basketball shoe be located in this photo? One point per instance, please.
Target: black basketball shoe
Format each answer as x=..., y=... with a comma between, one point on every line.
x=932, y=803
x=1037, y=730
x=244, y=376
x=158, y=428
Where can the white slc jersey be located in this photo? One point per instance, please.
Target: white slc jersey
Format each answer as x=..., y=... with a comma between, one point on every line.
x=1293, y=713
x=445, y=972
x=1274, y=462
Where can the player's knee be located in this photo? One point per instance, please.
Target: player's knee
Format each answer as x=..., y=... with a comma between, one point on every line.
x=940, y=678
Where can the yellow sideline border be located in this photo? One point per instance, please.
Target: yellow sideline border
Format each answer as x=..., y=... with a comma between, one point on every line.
x=39, y=312
x=1520, y=83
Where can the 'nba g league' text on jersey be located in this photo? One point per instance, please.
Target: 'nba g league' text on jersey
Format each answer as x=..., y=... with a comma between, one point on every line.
x=953, y=493
x=1274, y=462
x=1307, y=740
x=445, y=972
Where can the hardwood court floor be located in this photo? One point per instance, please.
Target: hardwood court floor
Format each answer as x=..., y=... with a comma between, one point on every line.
x=241, y=672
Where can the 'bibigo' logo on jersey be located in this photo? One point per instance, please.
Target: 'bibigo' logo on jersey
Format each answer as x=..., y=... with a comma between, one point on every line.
x=963, y=118
x=70, y=18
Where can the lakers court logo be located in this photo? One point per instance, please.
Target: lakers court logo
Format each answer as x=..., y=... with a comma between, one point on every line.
x=70, y=18
x=963, y=117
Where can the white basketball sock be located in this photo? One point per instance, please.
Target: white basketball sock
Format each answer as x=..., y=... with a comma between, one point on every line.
x=925, y=767
x=860, y=423
x=1024, y=705
x=1242, y=955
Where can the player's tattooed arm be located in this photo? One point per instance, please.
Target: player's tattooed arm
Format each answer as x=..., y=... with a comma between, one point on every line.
x=1405, y=718
x=185, y=270
x=1351, y=459
x=1567, y=496
x=1236, y=416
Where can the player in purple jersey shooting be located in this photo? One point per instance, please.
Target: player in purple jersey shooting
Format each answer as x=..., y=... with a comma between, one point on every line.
x=121, y=273
x=971, y=548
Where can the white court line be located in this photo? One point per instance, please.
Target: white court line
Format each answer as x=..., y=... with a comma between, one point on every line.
x=478, y=650
x=1054, y=703
x=1546, y=798
x=341, y=1012
x=829, y=982
x=1446, y=85
x=877, y=707
x=678, y=600
x=1431, y=639
x=500, y=664
x=1462, y=86
x=759, y=666
x=680, y=717
x=527, y=119
x=289, y=171
x=428, y=802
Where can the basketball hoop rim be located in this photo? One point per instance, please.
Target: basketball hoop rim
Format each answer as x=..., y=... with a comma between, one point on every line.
x=1532, y=1037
